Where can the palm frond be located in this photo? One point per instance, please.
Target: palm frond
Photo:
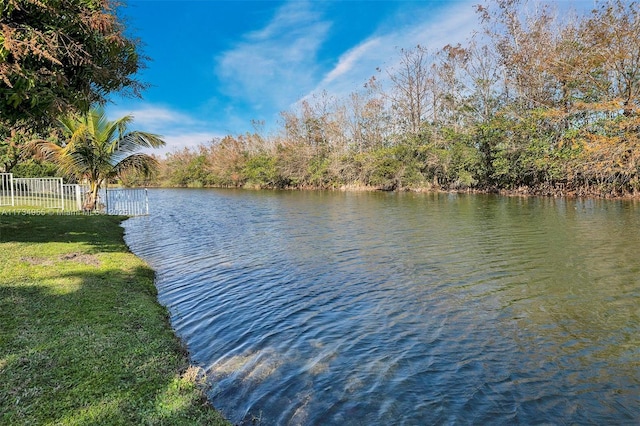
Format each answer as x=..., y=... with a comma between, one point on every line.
x=67, y=164
x=114, y=132
x=139, y=163
x=135, y=141
x=96, y=148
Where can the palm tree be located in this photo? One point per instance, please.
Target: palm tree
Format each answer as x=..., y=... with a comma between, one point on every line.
x=97, y=149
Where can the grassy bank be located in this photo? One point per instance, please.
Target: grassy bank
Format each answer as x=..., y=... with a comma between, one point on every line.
x=83, y=339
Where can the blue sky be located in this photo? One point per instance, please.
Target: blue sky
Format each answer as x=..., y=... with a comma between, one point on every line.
x=217, y=65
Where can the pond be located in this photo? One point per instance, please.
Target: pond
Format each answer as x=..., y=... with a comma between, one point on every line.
x=333, y=308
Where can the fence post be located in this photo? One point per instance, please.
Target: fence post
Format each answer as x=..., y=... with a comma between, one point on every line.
x=61, y=195
x=6, y=189
x=78, y=197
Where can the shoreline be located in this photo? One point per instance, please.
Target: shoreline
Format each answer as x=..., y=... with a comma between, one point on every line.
x=519, y=192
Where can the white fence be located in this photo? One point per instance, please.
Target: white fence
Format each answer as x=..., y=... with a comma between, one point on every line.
x=126, y=201
x=40, y=192
x=6, y=189
x=52, y=193
x=72, y=196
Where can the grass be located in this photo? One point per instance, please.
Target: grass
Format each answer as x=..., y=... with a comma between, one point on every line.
x=36, y=202
x=83, y=339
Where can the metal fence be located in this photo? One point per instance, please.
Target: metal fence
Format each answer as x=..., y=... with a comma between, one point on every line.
x=72, y=196
x=126, y=201
x=52, y=193
x=6, y=189
x=38, y=192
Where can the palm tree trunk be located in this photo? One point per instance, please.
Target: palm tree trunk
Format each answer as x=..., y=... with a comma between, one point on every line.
x=91, y=202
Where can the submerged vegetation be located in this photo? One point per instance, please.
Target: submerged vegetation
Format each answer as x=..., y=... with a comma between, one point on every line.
x=83, y=339
x=532, y=103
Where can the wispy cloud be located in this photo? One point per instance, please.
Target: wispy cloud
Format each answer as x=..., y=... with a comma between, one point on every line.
x=430, y=29
x=179, y=130
x=181, y=140
x=350, y=60
x=278, y=62
x=268, y=69
x=153, y=116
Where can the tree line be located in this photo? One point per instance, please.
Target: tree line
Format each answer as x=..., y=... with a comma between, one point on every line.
x=534, y=102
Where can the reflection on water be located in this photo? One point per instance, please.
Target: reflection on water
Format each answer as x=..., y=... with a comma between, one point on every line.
x=375, y=308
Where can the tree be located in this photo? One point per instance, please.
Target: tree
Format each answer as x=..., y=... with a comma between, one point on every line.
x=411, y=81
x=10, y=153
x=58, y=56
x=448, y=86
x=614, y=30
x=226, y=160
x=367, y=117
x=97, y=149
x=484, y=72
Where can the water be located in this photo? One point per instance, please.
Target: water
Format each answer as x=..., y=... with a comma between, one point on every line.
x=316, y=308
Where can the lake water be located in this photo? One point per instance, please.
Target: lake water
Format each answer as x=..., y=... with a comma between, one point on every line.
x=331, y=308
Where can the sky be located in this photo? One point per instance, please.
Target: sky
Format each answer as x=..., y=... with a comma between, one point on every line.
x=216, y=66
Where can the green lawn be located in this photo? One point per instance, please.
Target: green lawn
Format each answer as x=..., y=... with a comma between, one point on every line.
x=37, y=203
x=83, y=339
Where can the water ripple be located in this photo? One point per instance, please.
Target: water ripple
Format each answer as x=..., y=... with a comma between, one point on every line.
x=350, y=309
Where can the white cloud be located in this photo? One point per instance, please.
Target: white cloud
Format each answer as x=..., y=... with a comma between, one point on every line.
x=349, y=60
x=179, y=130
x=147, y=116
x=270, y=68
x=155, y=116
x=179, y=141
x=288, y=18
x=272, y=65
x=430, y=29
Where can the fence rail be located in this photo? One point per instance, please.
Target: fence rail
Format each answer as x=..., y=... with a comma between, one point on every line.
x=53, y=193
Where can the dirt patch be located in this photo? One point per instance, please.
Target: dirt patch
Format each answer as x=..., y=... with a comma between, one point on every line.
x=32, y=260
x=87, y=259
